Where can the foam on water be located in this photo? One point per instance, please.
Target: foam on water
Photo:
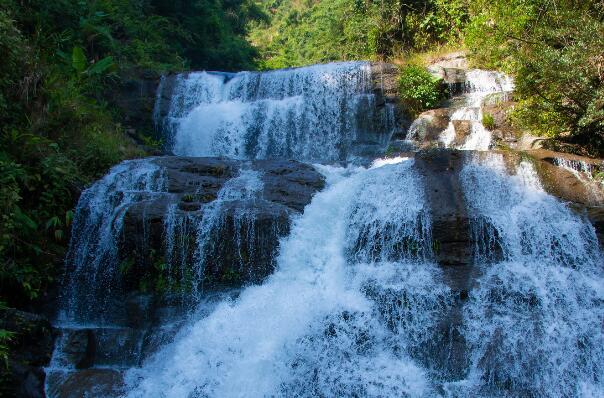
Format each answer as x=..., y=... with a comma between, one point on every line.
x=92, y=259
x=346, y=313
x=310, y=113
x=533, y=322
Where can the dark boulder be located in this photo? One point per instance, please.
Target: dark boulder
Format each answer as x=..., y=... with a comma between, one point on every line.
x=134, y=97
x=450, y=224
x=29, y=351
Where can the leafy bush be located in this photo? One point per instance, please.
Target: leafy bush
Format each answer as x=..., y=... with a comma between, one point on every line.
x=554, y=49
x=419, y=90
x=304, y=32
x=488, y=121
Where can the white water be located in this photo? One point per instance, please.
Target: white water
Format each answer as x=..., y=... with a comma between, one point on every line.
x=330, y=321
x=479, y=85
x=580, y=168
x=92, y=259
x=533, y=322
x=309, y=113
x=357, y=306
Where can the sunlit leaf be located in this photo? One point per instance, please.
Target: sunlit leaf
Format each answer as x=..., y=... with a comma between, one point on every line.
x=78, y=59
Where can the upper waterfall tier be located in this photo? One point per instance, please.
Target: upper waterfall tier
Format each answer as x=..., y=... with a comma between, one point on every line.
x=320, y=112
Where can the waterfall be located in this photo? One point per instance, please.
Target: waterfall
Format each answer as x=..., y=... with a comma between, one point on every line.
x=192, y=240
x=361, y=298
x=311, y=113
x=478, y=86
x=92, y=261
x=350, y=310
x=533, y=321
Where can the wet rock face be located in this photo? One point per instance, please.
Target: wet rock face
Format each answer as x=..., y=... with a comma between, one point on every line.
x=243, y=238
x=87, y=383
x=385, y=80
x=498, y=106
x=575, y=180
x=429, y=125
x=451, y=68
x=450, y=224
x=570, y=177
x=30, y=349
x=134, y=96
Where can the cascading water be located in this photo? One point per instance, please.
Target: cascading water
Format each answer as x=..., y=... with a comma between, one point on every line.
x=479, y=85
x=358, y=305
x=242, y=188
x=311, y=113
x=533, y=322
x=95, y=261
x=92, y=261
x=349, y=312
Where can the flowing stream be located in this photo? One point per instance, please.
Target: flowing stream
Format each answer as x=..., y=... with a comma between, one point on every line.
x=358, y=304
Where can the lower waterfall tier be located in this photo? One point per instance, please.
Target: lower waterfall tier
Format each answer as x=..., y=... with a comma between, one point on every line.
x=436, y=273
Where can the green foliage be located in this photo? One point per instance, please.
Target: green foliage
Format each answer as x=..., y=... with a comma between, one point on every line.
x=488, y=121
x=420, y=90
x=554, y=49
x=301, y=32
x=5, y=339
x=59, y=128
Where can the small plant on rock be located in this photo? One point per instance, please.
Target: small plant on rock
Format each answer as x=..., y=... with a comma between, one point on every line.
x=488, y=121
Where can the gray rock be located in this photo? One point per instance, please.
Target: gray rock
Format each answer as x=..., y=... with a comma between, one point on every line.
x=428, y=126
x=134, y=96
x=79, y=347
x=450, y=224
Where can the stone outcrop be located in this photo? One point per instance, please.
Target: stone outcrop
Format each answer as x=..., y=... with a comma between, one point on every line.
x=87, y=383
x=562, y=175
x=246, y=234
x=576, y=180
x=385, y=79
x=498, y=106
x=428, y=126
x=450, y=225
x=451, y=68
x=29, y=350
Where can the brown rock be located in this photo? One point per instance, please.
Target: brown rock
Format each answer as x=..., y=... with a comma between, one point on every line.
x=428, y=126
x=463, y=128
